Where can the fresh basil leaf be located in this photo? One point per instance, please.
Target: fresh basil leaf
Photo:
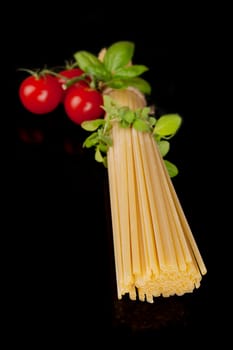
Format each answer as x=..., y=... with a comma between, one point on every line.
x=164, y=147
x=118, y=55
x=103, y=148
x=124, y=124
x=117, y=83
x=105, y=163
x=122, y=110
x=145, y=112
x=152, y=121
x=141, y=125
x=108, y=103
x=105, y=139
x=98, y=155
x=111, y=109
x=92, y=125
x=167, y=125
x=130, y=72
x=91, y=140
x=129, y=116
x=171, y=168
x=140, y=84
x=90, y=64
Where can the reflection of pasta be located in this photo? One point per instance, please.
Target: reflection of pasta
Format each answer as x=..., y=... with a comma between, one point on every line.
x=155, y=251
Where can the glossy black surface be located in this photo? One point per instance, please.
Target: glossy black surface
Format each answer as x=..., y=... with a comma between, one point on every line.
x=64, y=276
x=65, y=273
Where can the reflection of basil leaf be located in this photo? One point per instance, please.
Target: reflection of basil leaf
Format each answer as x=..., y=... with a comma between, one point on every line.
x=130, y=72
x=92, y=65
x=118, y=55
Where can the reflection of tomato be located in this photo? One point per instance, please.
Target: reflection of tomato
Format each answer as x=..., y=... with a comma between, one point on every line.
x=34, y=136
x=41, y=94
x=82, y=103
x=70, y=74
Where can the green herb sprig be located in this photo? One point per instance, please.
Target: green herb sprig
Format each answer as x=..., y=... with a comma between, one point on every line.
x=162, y=129
x=114, y=71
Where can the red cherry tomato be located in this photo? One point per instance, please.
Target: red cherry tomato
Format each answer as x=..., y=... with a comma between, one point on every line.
x=40, y=95
x=71, y=73
x=82, y=103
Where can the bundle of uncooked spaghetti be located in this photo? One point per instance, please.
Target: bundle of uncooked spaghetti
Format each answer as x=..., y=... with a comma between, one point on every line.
x=155, y=251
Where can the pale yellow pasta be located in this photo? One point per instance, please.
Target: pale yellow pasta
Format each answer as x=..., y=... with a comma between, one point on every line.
x=155, y=250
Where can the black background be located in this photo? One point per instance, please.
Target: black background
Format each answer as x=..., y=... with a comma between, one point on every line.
x=63, y=267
